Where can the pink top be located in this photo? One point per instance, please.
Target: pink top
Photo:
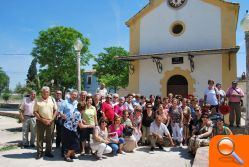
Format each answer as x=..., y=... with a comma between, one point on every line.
x=119, y=109
x=108, y=111
x=235, y=95
x=119, y=130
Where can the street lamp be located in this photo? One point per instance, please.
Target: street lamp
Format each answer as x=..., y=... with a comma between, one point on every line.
x=245, y=26
x=78, y=45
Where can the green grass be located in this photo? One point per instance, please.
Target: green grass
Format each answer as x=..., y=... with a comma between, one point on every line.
x=7, y=148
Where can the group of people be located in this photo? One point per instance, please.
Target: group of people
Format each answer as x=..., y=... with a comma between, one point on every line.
x=104, y=123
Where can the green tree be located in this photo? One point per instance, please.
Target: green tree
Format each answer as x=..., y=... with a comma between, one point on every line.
x=18, y=88
x=32, y=75
x=57, y=58
x=6, y=95
x=21, y=89
x=4, y=80
x=112, y=72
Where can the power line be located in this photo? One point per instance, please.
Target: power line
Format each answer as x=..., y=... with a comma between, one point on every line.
x=15, y=54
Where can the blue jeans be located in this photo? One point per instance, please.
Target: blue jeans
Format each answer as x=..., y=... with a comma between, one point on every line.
x=115, y=147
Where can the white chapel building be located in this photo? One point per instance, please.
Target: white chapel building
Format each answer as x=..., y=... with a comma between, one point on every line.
x=176, y=46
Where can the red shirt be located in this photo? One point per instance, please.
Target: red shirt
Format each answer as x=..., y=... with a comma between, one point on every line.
x=107, y=109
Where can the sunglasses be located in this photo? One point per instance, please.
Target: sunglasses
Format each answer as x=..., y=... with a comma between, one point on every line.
x=104, y=122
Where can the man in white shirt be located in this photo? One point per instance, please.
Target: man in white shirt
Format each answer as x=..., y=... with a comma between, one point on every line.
x=102, y=90
x=28, y=120
x=158, y=131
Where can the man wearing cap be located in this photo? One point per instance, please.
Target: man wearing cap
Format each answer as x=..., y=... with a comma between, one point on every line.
x=234, y=95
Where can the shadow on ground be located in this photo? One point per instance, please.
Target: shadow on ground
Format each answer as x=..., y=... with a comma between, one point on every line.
x=19, y=129
x=183, y=152
x=28, y=155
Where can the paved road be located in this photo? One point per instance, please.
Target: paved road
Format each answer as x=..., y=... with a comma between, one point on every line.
x=176, y=157
x=10, y=133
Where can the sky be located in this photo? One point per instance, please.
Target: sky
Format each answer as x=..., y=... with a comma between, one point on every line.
x=102, y=21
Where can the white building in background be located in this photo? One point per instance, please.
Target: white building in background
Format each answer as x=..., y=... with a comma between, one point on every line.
x=176, y=46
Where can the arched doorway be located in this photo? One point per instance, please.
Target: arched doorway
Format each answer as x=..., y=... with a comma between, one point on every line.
x=178, y=85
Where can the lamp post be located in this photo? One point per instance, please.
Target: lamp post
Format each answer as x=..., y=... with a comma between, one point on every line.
x=78, y=45
x=245, y=26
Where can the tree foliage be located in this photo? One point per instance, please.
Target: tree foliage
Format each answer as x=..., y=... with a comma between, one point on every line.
x=32, y=81
x=32, y=72
x=6, y=95
x=114, y=73
x=22, y=89
x=4, y=80
x=57, y=58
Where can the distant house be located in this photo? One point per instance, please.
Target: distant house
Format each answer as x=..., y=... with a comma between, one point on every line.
x=90, y=81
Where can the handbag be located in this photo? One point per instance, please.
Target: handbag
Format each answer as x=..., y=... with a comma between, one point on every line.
x=113, y=137
x=224, y=109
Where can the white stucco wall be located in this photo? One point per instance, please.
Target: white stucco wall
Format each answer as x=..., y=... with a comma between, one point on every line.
x=206, y=67
x=202, y=22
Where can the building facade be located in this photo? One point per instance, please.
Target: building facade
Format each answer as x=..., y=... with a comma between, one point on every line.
x=90, y=81
x=177, y=46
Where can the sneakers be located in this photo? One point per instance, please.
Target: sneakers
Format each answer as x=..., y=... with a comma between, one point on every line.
x=161, y=147
x=38, y=156
x=73, y=157
x=98, y=158
x=50, y=155
x=67, y=159
x=25, y=146
x=123, y=153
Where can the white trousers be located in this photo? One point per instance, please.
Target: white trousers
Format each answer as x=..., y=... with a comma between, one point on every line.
x=101, y=149
x=177, y=131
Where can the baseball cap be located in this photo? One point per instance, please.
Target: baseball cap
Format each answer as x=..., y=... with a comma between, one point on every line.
x=234, y=82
